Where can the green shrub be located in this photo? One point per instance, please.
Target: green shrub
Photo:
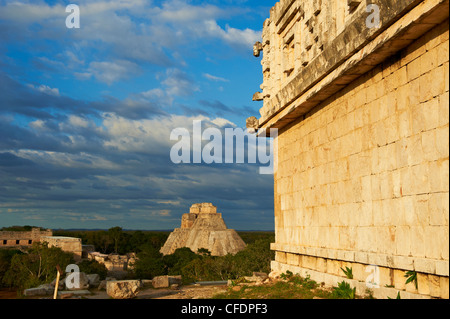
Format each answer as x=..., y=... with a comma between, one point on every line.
x=344, y=291
x=93, y=267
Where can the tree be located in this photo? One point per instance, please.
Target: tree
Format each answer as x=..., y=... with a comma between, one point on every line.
x=36, y=266
x=115, y=234
x=180, y=258
x=6, y=256
x=203, y=252
x=149, y=263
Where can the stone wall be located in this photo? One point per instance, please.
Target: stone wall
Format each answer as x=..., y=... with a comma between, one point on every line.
x=114, y=262
x=67, y=244
x=363, y=147
x=22, y=238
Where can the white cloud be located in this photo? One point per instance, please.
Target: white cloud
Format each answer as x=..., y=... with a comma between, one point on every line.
x=221, y=122
x=127, y=30
x=214, y=78
x=235, y=37
x=150, y=136
x=110, y=72
x=30, y=13
x=38, y=124
x=178, y=83
x=78, y=121
x=45, y=89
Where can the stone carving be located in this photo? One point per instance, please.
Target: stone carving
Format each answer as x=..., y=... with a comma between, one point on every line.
x=258, y=96
x=257, y=48
x=252, y=124
x=203, y=227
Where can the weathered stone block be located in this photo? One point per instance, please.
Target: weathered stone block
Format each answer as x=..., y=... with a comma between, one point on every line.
x=444, y=109
x=423, y=284
x=444, y=287
x=166, y=281
x=126, y=289
x=39, y=291
x=442, y=142
x=94, y=280
x=426, y=90
x=334, y=267
x=434, y=283
x=438, y=175
x=399, y=279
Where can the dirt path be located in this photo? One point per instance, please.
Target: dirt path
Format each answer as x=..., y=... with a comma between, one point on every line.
x=193, y=292
x=8, y=294
x=184, y=292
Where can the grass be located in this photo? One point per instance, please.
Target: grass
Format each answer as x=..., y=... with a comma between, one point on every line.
x=290, y=287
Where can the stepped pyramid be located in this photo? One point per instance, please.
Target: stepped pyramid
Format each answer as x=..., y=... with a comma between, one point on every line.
x=203, y=227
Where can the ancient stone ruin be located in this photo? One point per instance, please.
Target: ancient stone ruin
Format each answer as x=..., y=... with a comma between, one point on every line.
x=67, y=244
x=203, y=227
x=359, y=92
x=11, y=239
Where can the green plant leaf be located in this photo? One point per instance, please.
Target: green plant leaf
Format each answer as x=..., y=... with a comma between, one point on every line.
x=412, y=277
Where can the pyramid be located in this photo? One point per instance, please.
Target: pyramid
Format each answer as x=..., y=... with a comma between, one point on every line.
x=203, y=227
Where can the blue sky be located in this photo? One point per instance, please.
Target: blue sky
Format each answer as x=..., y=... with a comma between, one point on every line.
x=86, y=114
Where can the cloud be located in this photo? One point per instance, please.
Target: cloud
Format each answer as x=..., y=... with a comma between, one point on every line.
x=43, y=102
x=178, y=83
x=94, y=148
x=110, y=72
x=135, y=31
x=214, y=78
x=46, y=89
x=77, y=121
x=234, y=37
x=30, y=12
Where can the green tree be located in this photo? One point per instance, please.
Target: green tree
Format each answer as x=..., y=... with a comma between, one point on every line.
x=180, y=258
x=203, y=252
x=255, y=257
x=115, y=234
x=6, y=256
x=149, y=263
x=36, y=266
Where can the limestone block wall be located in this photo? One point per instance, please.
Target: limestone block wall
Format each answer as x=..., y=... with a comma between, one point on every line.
x=68, y=244
x=22, y=238
x=362, y=178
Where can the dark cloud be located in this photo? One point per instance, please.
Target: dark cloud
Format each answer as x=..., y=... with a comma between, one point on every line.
x=10, y=160
x=220, y=109
x=39, y=104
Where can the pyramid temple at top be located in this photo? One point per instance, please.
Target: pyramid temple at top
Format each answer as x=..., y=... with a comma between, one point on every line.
x=203, y=227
